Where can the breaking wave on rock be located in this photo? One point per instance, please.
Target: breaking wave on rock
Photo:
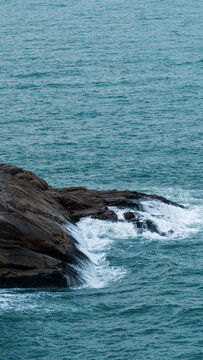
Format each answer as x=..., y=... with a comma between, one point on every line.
x=104, y=241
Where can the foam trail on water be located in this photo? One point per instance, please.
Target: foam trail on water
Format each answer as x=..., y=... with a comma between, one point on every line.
x=97, y=238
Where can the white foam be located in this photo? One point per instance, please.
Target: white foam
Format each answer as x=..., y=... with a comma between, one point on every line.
x=96, y=238
x=175, y=221
x=21, y=302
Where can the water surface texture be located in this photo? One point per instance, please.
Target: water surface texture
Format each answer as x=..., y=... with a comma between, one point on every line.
x=108, y=94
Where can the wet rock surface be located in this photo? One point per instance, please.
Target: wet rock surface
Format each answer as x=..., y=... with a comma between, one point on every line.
x=36, y=249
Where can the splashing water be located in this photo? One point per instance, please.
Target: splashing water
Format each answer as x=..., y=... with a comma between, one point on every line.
x=98, y=238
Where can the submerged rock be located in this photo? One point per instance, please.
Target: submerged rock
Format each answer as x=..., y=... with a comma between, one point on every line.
x=36, y=249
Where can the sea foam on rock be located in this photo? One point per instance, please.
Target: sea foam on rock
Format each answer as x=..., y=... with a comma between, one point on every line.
x=36, y=249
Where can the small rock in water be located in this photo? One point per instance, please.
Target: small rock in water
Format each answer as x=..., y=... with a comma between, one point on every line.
x=129, y=215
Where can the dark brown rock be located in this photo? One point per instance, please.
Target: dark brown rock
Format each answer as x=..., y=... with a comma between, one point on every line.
x=129, y=215
x=35, y=246
x=33, y=242
x=81, y=202
x=106, y=215
x=146, y=224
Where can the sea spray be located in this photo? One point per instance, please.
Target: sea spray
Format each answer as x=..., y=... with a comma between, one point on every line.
x=95, y=238
x=98, y=238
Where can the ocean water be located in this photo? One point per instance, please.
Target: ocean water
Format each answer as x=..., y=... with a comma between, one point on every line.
x=108, y=94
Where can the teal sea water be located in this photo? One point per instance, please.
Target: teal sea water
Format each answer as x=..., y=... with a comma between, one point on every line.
x=108, y=94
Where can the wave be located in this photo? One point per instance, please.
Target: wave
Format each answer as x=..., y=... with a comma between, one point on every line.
x=97, y=238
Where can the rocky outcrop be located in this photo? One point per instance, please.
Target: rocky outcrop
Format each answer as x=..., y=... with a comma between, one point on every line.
x=36, y=249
